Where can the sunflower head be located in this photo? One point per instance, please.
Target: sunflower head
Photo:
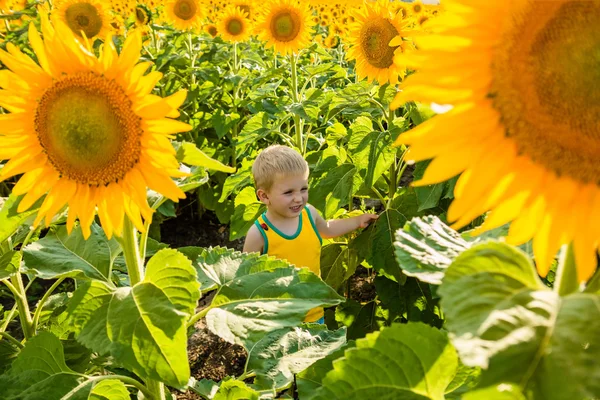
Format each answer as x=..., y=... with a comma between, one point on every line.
x=89, y=18
x=370, y=36
x=211, y=29
x=183, y=14
x=523, y=132
x=143, y=15
x=85, y=131
x=234, y=25
x=285, y=26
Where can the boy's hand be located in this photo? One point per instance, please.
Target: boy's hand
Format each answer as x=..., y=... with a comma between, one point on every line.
x=365, y=219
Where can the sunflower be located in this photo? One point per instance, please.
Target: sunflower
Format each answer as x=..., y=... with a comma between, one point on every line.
x=183, y=14
x=89, y=17
x=285, y=25
x=143, y=15
x=524, y=132
x=85, y=131
x=370, y=38
x=234, y=25
x=247, y=7
x=211, y=29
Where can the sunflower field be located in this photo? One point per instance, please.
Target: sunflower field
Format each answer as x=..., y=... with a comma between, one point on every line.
x=128, y=132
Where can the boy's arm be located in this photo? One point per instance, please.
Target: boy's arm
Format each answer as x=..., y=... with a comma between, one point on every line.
x=338, y=227
x=254, y=241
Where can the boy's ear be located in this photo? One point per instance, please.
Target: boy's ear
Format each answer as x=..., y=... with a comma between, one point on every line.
x=262, y=196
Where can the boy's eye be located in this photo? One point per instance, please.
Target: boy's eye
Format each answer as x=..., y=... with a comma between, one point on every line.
x=288, y=192
x=304, y=189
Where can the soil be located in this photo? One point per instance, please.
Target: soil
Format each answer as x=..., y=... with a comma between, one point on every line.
x=361, y=285
x=191, y=228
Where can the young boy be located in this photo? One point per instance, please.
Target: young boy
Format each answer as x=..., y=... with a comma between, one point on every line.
x=292, y=229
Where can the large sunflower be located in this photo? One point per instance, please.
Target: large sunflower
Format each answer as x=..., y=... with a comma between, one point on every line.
x=370, y=35
x=183, y=14
x=85, y=131
x=524, y=80
x=234, y=24
x=89, y=17
x=285, y=26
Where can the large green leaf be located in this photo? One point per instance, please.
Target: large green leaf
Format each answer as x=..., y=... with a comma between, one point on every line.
x=405, y=361
x=259, y=294
x=500, y=392
x=380, y=235
x=142, y=327
x=426, y=246
x=371, y=150
x=40, y=373
x=503, y=319
x=429, y=196
x=335, y=189
x=281, y=354
x=338, y=263
x=359, y=318
x=59, y=254
x=11, y=220
x=247, y=210
x=227, y=389
x=311, y=379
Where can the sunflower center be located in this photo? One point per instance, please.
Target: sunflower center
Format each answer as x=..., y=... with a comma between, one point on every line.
x=245, y=8
x=141, y=15
x=285, y=26
x=88, y=130
x=212, y=31
x=235, y=27
x=185, y=9
x=547, y=86
x=374, y=41
x=84, y=17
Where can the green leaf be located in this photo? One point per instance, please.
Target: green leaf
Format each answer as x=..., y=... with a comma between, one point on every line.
x=247, y=210
x=503, y=319
x=144, y=327
x=224, y=122
x=11, y=220
x=109, y=389
x=241, y=178
x=206, y=388
x=59, y=254
x=405, y=361
x=420, y=113
x=235, y=390
x=359, y=318
x=310, y=380
x=371, y=150
x=338, y=263
x=335, y=189
x=425, y=247
x=281, y=354
x=259, y=294
x=189, y=154
x=9, y=264
x=429, y=196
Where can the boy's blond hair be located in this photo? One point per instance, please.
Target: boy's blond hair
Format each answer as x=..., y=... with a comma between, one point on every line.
x=275, y=160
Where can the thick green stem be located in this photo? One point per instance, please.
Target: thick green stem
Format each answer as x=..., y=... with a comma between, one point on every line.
x=23, y=306
x=566, y=281
x=40, y=305
x=295, y=98
x=135, y=269
x=131, y=251
x=190, y=43
x=197, y=317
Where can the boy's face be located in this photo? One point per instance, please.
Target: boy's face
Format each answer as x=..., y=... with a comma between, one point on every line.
x=288, y=195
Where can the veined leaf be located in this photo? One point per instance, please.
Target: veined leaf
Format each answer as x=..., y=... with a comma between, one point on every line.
x=142, y=327
x=59, y=254
x=405, y=361
x=503, y=319
x=259, y=294
x=429, y=196
x=311, y=379
x=247, y=209
x=338, y=263
x=281, y=354
x=335, y=189
x=371, y=150
x=40, y=373
x=189, y=154
x=227, y=389
x=11, y=220
x=500, y=392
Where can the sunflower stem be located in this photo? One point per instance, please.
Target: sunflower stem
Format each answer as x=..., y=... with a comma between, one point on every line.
x=297, y=119
x=40, y=305
x=11, y=339
x=131, y=251
x=566, y=281
x=22, y=305
x=192, y=56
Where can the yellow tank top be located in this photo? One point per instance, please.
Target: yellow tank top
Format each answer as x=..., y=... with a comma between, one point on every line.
x=303, y=248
